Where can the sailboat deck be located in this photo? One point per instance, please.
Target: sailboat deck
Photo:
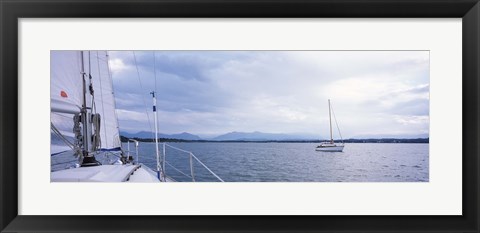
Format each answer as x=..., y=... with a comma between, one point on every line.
x=145, y=175
x=108, y=173
x=104, y=173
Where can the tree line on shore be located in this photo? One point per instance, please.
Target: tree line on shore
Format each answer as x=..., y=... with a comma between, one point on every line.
x=370, y=140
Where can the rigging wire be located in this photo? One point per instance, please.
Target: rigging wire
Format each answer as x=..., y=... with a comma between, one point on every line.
x=338, y=128
x=143, y=99
x=117, y=136
x=60, y=136
x=101, y=97
x=155, y=70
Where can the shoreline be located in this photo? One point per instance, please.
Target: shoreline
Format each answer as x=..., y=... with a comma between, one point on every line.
x=373, y=140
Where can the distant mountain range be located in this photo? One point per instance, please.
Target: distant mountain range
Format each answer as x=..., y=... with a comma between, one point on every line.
x=258, y=136
x=144, y=134
x=232, y=136
x=397, y=136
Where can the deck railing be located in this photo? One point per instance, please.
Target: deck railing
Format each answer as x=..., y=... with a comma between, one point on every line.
x=192, y=159
x=134, y=152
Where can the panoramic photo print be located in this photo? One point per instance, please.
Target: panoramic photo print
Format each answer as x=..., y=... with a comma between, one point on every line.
x=239, y=116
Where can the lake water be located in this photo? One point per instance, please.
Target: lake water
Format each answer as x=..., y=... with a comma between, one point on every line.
x=293, y=162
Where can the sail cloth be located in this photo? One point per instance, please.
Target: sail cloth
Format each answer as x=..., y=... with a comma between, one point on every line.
x=66, y=81
x=66, y=93
x=104, y=99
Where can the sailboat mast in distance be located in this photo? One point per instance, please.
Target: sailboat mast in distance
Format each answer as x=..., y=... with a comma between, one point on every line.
x=331, y=145
x=330, y=118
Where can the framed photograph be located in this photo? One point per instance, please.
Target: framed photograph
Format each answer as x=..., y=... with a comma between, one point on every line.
x=204, y=116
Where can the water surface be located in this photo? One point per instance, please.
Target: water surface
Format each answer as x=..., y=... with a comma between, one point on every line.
x=292, y=162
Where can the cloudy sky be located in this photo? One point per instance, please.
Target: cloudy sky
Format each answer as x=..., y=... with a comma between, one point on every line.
x=216, y=92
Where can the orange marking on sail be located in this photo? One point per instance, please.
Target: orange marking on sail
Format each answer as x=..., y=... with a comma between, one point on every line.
x=63, y=94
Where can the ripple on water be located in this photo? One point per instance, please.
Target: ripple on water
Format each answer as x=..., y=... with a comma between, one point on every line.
x=299, y=162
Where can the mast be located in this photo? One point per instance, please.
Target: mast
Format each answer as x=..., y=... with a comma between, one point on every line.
x=156, y=134
x=88, y=157
x=84, y=108
x=330, y=117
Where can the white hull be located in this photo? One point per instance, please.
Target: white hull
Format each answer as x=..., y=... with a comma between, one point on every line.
x=330, y=148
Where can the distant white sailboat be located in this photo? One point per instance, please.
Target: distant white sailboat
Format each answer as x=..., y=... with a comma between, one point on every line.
x=331, y=146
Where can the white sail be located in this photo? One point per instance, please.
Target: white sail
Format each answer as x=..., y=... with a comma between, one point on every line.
x=66, y=81
x=82, y=112
x=67, y=93
x=104, y=99
x=331, y=146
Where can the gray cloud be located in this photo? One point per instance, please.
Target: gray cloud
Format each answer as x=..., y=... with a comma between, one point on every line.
x=213, y=92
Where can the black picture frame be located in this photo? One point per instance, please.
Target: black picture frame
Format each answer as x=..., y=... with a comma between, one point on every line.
x=11, y=11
